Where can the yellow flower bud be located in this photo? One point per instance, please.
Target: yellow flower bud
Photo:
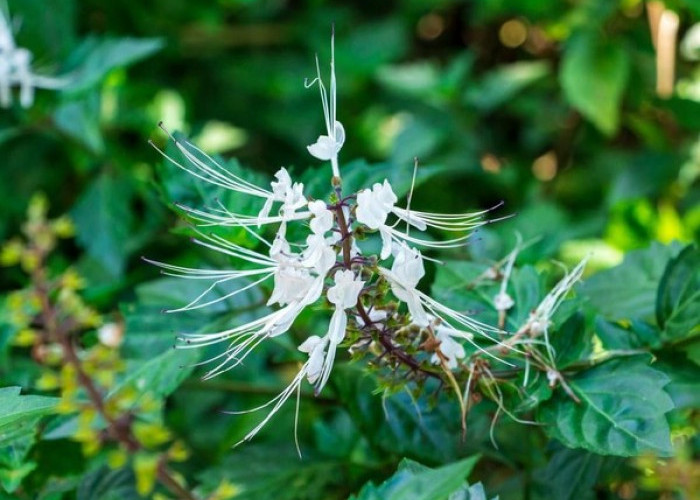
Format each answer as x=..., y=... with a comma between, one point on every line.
x=63, y=227
x=71, y=280
x=25, y=337
x=48, y=381
x=145, y=468
x=29, y=261
x=38, y=206
x=116, y=459
x=150, y=434
x=11, y=252
x=225, y=491
x=178, y=452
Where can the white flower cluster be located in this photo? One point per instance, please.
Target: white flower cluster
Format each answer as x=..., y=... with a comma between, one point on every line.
x=16, y=70
x=329, y=263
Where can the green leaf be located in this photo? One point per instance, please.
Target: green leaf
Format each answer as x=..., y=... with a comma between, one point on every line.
x=97, y=57
x=413, y=481
x=10, y=479
x=593, y=76
x=103, y=220
x=106, y=484
x=570, y=474
x=79, y=118
x=628, y=291
x=19, y=417
x=572, y=342
x=397, y=424
x=622, y=410
x=626, y=335
x=19, y=414
x=159, y=376
x=684, y=387
x=502, y=84
x=257, y=477
x=678, y=298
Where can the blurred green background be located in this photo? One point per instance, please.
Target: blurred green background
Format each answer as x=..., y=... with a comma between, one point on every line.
x=551, y=107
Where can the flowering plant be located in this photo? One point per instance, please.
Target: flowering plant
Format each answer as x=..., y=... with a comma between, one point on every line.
x=335, y=262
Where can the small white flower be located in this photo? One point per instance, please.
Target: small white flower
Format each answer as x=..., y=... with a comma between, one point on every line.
x=343, y=295
x=315, y=347
x=327, y=147
x=502, y=301
x=110, y=334
x=322, y=220
x=16, y=70
x=407, y=271
x=374, y=205
x=290, y=194
x=449, y=347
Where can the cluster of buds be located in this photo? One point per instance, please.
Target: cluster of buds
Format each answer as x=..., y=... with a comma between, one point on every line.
x=366, y=291
x=16, y=70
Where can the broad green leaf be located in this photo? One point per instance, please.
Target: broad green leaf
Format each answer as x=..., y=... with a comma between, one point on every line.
x=17, y=411
x=159, y=376
x=622, y=410
x=257, y=477
x=501, y=84
x=104, y=220
x=628, y=291
x=19, y=417
x=106, y=484
x=684, y=387
x=397, y=424
x=570, y=475
x=571, y=342
x=593, y=76
x=79, y=118
x=10, y=479
x=413, y=481
x=95, y=58
x=678, y=298
x=626, y=335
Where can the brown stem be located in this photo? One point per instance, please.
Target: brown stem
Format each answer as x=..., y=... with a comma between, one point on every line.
x=384, y=339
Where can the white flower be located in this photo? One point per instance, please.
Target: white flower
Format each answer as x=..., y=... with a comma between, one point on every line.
x=541, y=318
x=502, y=301
x=322, y=221
x=290, y=194
x=16, y=70
x=315, y=347
x=343, y=295
x=374, y=206
x=110, y=334
x=449, y=347
x=327, y=147
x=404, y=277
x=407, y=271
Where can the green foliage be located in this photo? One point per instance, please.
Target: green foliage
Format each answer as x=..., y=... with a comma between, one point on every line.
x=416, y=482
x=622, y=410
x=550, y=107
x=678, y=298
x=593, y=76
